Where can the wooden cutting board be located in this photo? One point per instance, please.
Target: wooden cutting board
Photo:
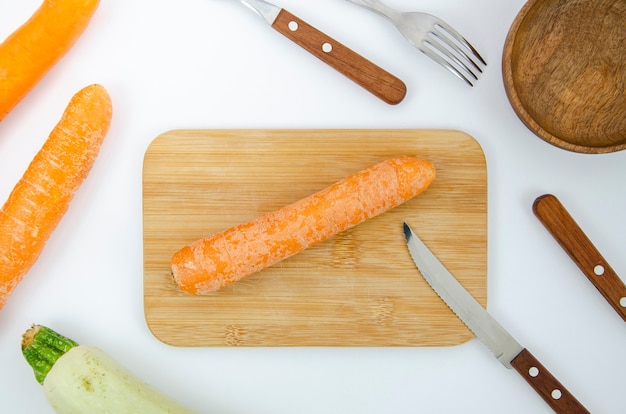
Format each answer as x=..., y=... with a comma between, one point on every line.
x=359, y=288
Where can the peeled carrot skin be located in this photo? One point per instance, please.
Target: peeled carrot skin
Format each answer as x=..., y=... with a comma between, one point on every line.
x=35, y=47
x=205, y=265
x=42, y=196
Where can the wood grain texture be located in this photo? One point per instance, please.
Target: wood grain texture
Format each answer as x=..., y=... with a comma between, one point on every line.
x=359, y=288
x=564, y=71
x=546, y=385
x=365, y=73
x=557, y=220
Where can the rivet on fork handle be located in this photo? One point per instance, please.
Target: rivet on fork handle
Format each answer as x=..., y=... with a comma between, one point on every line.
x=573, y=240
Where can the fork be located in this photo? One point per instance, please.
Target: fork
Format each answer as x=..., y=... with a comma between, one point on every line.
x=435, y=38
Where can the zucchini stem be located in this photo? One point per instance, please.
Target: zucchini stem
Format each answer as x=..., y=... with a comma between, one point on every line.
x=42, y=347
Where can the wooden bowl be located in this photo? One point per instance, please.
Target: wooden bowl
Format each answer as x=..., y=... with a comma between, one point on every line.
x=564, y=70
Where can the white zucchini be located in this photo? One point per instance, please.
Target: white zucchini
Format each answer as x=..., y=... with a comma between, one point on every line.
x=79, y=379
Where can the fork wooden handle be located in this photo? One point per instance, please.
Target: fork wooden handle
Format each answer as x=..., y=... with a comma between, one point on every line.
x=573, y=240
x=365, y=73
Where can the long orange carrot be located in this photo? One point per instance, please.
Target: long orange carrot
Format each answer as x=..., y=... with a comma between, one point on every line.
x=29, y=52
x=42, y=196
x=212, y=263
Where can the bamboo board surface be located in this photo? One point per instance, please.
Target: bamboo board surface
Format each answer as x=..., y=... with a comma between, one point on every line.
x=359, y=288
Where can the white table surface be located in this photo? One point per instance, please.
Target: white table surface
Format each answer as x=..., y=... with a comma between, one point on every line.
x=213, y=64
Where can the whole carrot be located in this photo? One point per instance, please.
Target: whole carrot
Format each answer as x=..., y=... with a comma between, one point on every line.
x=214, y=262
x=42, y=196
x=29, y=52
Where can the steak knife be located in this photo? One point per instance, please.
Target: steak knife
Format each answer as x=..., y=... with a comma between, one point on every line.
x=557, y=220
x=376, y=80
x=506, y=349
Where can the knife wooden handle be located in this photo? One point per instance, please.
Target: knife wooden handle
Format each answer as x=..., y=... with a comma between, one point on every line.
x=365, y=73
x=573, y=240
x=546, y=385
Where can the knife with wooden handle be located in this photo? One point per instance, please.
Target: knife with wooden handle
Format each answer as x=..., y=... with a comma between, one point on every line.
x=506, y=349
x=376, y=80
x=557, y=220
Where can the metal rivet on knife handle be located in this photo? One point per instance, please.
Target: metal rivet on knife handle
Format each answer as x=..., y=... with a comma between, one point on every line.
x=546, y=385
x=573, y=240
x=365, y=73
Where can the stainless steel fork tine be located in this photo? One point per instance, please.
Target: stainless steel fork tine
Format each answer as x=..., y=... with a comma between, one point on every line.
x=443, y=51
x=446, y=48
x=450, y=44
x=437, y=58
x=459, y=38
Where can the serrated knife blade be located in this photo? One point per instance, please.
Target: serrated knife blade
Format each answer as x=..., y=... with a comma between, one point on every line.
x=508, y=351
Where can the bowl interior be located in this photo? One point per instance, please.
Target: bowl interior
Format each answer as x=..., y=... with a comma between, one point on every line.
x=564, y=67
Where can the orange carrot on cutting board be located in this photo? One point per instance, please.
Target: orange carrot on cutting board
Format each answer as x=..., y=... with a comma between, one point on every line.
x=42, y=196
x=29, y=52
x=227, y=257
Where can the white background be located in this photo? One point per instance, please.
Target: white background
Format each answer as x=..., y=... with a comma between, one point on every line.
x=214, y=64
